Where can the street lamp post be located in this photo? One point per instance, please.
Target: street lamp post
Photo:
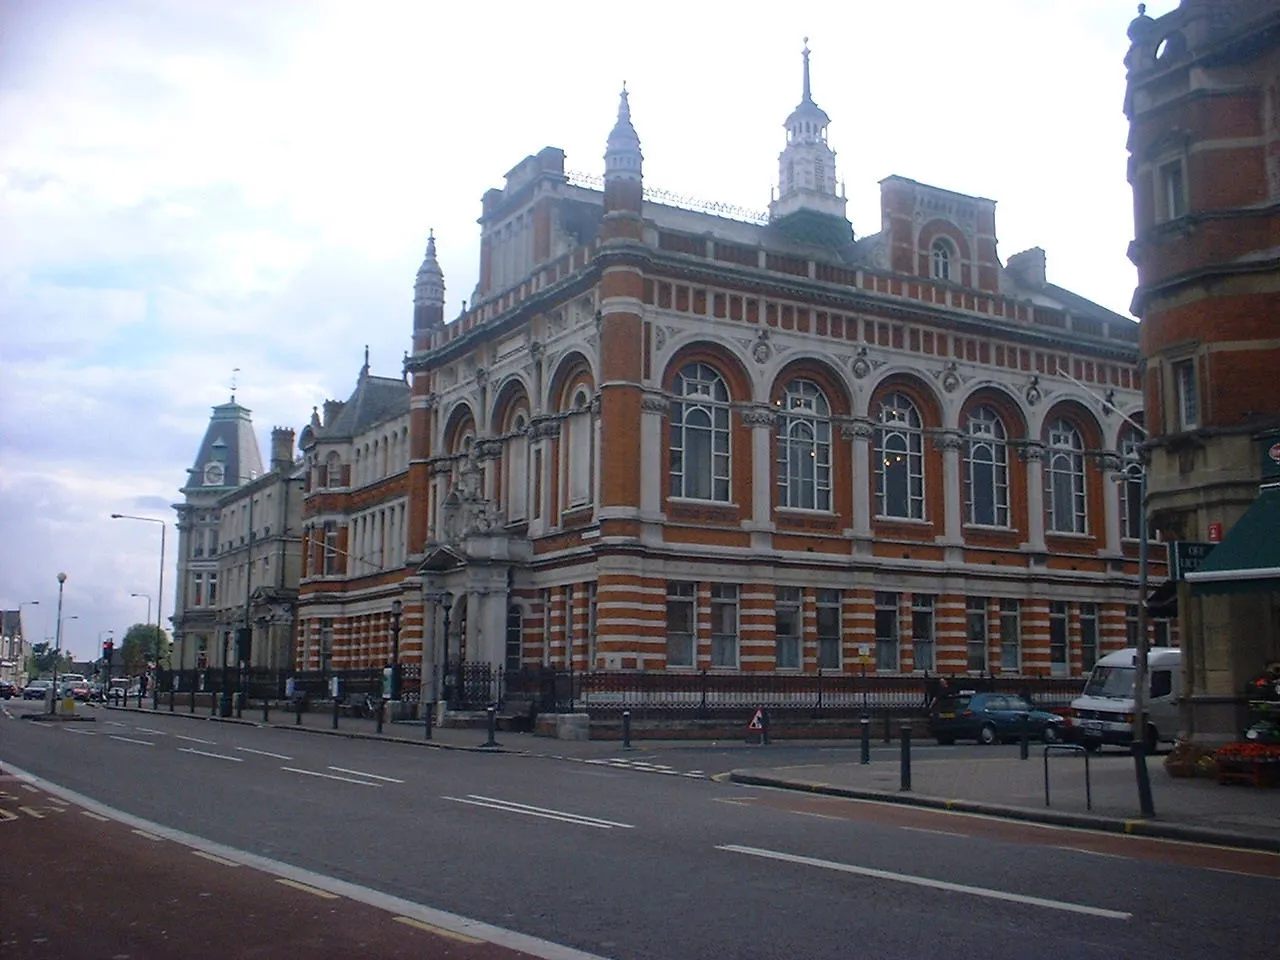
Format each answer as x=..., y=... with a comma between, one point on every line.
x=57, y=647
x=160, y=588
x=146, y=597
x=1139, y=746
x=397, y=609
x=446, y=601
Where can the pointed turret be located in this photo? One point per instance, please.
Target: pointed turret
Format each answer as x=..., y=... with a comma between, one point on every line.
x=428, y=291
x=623, y=169
x=808, y=204
x=228, y=455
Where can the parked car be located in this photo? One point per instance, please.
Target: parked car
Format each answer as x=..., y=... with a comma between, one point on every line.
x=7, y=689
x=991, y=718
x=37, y=689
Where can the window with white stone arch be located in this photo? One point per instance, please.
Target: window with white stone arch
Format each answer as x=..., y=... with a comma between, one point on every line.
x=804, y=447
x=517, y=468
x=579, y=447
x=899, y=459
x=941, y=256
x=986, y=477
x=333, y=470
x=1131, y=468
x=699, y=443
x=1064, y=478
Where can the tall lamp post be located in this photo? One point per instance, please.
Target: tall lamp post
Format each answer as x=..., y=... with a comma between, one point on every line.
x=397, y=609
x=57, y=646
x=160, y=588
x=446, y=602
x=146, y=597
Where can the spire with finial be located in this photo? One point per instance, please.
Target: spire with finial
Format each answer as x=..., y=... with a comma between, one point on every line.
x=428, y=290
x=807, y=97
x=623, y=163
x=235, y=375
x=364, y=371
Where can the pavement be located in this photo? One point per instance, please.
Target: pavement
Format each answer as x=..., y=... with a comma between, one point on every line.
x=997, y=784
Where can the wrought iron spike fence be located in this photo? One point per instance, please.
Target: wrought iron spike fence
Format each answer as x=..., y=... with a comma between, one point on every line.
x=670, y=198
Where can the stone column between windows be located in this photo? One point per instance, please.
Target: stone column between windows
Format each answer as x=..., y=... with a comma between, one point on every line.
x=950, y=442
x=763, y=423
x=1033, y=455
x=860, y=432
x=1111, y=494
x=653, y=407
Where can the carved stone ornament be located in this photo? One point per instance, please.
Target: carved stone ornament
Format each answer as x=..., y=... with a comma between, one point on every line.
x=761, y=352
x=659, y=337
x=595, y=405
x=535, y=349
x=759, y=415
x=482, y=376
x=655, y=403
x=1031, y=450
x=1033, y=393
x=948, y=440
x=1110, y=462
x=488, y=449
x=857, y=430
x=950, y=378
x=861, y=365
x=544, y=428
x=430, y=401
x=439, y=466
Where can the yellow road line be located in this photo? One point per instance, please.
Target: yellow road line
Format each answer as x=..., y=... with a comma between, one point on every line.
x=316, y=891
x=438, y=931
x=222, y=860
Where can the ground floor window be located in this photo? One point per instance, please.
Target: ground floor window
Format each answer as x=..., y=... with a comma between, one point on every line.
x=1131, y=625
x=681, y=624
x=1010, y=636
x=724, y=625
x=1161, y=632
x=1059, y=664
x=1088, y=635
x=787, y=621
x=828, y=629
x=887, y=632
x=923, y=631
x=975, y=616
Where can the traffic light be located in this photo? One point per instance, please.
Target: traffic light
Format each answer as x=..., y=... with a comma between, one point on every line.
x=107, y=647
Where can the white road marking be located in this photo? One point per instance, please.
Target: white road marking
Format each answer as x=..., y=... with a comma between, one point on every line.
x=330, y=776
x=519, y=942
x=147, y=835
x=939, y=833
x=83, y=733
x=222, y=860
x=510, y=806
x=145, y=743
x=205, y=753
x=195, y=739
x=306, y=888
x=29, y=788
x=149, y=730
x=265, y=753
x=115, y=723
x=1092, y=853
x=95, y=816
x=361, y=773
x=819, y=816
x=927, y=882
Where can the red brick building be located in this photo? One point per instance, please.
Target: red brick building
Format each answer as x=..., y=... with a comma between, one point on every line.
x=1203, y=101
x=670, y=437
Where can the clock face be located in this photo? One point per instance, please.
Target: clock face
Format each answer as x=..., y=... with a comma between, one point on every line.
x=213, y=475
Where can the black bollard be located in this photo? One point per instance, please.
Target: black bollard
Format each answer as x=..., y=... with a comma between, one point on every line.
x=492, y=719
x=906, y=756
x=335, y=713
x=239, y=706
x=626, y=729
x=1024, y=741
x=213, y=703
x=171, y=695
x=266, y=710
x=764, y=728
x=139, y=698
x=191, y=704
x=382, y=708
x=297, y=711
x=426, y=721
x=865, y=723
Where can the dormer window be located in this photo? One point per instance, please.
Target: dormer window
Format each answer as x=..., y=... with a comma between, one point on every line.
x=940, y=257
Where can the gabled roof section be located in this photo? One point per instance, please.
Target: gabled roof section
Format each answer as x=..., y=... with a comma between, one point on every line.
x=374, y=399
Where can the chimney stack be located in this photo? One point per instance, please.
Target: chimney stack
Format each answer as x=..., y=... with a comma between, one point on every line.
x=281, y=449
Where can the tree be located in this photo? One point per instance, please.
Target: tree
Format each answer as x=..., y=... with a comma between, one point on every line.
x=43, y=657
x=138, y=648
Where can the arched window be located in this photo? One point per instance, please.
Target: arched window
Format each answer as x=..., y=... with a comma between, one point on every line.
x=333, y=470
x=986, y=477
x=1064, y=478
x=804, y=447
x=579, y=450
x=899, y=459
x=1131, y=467
x=516, y=466
x=700, y=435
x=940, y=255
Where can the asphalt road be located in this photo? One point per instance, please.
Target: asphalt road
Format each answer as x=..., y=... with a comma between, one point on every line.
x=617, y=861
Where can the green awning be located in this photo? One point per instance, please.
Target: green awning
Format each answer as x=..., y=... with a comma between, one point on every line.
x=1248, y=558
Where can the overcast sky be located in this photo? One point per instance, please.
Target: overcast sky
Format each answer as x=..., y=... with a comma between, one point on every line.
x=193, y=186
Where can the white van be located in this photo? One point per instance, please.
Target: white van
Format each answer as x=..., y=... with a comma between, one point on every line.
x=1104, y=713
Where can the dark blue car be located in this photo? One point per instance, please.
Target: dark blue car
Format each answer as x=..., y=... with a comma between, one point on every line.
x=991, y=718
